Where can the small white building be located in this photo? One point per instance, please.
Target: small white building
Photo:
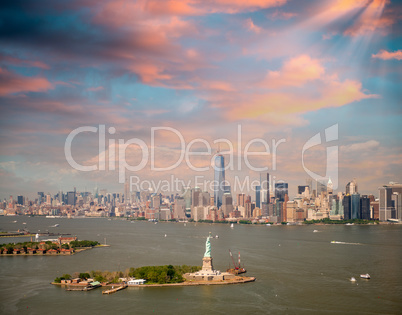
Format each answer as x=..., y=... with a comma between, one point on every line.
x=136, y=281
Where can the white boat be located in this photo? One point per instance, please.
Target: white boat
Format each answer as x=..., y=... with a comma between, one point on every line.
x=365, y=276
x=232, y=225
x=23, y=222
x=216, y=236
x=268, y=224
x=315, y=231
x=56, y=225
x=349, y=224
x=353, y=279
x=14, y=221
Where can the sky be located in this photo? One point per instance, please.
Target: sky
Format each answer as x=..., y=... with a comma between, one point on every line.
x=277, y=72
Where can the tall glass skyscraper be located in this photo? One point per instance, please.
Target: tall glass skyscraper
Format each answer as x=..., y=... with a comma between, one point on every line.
x=355, y=206
x=219, y=180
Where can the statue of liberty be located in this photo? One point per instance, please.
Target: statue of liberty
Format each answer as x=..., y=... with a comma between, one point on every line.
x=208, y=246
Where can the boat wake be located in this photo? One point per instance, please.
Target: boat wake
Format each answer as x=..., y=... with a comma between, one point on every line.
x=345, y=243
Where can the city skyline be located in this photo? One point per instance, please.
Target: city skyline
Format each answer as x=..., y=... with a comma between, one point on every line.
x=281, y=71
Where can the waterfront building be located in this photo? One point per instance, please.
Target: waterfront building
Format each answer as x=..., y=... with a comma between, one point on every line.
x=365, y=208
x=347, y=215
x=219, y=180
x=355, y=206
x=390, y=202
x=258, y=196
x=179, y=211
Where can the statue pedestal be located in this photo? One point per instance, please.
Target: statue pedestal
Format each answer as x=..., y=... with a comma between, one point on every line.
x=207, y=264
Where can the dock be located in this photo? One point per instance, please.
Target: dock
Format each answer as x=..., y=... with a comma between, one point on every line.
x=113, y=290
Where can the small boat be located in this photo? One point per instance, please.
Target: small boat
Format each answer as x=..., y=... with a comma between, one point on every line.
x=165, y=235
x=268, y=224
x=14, y=221
x=353, y=279
x=232, y=225
x=216, y=236
x=23, y=222
x=365, y=276
x=315, y=231
x=56, y=225
x=349, y=224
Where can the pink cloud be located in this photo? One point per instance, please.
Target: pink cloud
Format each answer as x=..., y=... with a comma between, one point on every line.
x=387, y=55
x=249, y=24
x=11, y=82
x=24, y=62
x=295, y=72
x=201, y=7
x=300, y=86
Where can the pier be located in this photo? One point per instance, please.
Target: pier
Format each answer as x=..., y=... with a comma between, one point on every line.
x=113, y=290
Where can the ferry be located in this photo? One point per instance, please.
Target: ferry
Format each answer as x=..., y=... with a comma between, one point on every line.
x=365, y=276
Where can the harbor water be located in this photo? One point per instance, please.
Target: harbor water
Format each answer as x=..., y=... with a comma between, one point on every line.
x=298, y=271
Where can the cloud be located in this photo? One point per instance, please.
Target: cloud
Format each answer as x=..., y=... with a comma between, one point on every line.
x=300, y=86
x=359, y=147
x=201, y=7
x=354, y=17
x=282, y=15
x=249, y=24
x=23, y=62
x=95, y=88
x=387, y=55
x=295, y=72
x=11, y=82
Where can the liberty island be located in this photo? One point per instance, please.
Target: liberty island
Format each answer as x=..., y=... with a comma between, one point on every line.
x=154, y=276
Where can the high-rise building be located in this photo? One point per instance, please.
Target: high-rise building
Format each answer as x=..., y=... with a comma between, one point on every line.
x=71, y=198
x=351, y=187
x=219, y=180
x=321, y=187
x=195, y=197
x=227, y=204
x=355, y=206
x=346, y=203
x=258, y=196
x=179, y=211
x=20, y=200
x=389, y=206
x=241, y=198
x=365, y=207
x=301, y=189
x=281, y=189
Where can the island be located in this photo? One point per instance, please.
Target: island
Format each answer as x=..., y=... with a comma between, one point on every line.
x=152, y=276
x=59, y=246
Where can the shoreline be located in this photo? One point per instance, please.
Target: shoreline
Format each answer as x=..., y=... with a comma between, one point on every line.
x=237, y=280
x=54, y=255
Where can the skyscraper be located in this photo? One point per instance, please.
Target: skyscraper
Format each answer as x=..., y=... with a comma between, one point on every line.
x=241, y=200
x=355, y=206
x=347, y=215
x=258, y=196
x=219, y=179
x=389, y=206
x=365, y=208
x=281, y=189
